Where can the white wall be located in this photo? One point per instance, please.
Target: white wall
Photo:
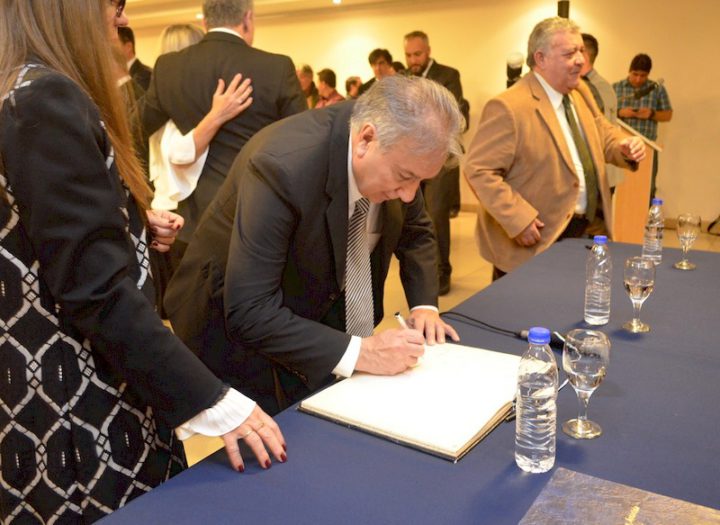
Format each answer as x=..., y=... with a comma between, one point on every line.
x=476, y=35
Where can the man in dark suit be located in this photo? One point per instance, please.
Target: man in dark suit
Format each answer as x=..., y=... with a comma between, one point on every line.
x=442, y=195
x=182, y=90
x=261, y=292
x=139, y=72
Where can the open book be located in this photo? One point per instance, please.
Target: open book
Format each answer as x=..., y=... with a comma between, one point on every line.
x=443, y=406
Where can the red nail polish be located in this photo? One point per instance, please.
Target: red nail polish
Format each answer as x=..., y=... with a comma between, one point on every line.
x=241, y=469
x=268, y=464
x=283, y=457
x=284, y=447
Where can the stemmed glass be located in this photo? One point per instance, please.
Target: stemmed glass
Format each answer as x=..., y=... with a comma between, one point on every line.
x=688, y=229
x=586, y=355
x=639, y=282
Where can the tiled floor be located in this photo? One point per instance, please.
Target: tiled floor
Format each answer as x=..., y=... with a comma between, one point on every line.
x=471, y=273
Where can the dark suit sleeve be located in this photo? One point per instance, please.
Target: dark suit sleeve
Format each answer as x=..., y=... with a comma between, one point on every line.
x=452, y=83
x=417, y=253
x=450, y=78
x=291, y=100
x=265, y=225
x=70, y=205
x=152, y=116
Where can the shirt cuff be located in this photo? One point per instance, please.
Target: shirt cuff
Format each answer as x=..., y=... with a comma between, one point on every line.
x=182, y=148
x=425, y=306
x=225, y=415
x=346, y=366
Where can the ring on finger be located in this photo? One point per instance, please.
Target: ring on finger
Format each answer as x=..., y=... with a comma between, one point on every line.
x=246, y=434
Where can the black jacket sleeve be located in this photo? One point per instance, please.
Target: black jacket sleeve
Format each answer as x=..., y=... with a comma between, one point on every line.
x=73, y=208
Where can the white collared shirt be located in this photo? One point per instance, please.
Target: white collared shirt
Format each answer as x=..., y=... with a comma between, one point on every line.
x=427, y=69
x=225, y=30
x=346, y=366
x=556, y=100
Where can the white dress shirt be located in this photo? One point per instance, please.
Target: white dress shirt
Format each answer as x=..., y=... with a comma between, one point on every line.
x=556, y=99
x=347, y=363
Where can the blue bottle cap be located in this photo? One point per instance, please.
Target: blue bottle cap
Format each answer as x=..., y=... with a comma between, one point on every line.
x=600, y=239
x=539, y=335
x=657, y=201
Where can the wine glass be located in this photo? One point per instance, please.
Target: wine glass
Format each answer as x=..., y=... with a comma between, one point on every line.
x=586, y=355
x=688, y=229
x=639, y=282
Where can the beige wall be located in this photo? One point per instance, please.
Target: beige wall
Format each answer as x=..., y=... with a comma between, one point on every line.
x=475, y=37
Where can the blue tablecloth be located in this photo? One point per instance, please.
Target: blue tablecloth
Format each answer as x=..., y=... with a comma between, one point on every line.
x=659, y=408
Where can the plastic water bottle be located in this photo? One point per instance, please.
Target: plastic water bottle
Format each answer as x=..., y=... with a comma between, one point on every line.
x=536, y=410
x=598, y=276
x=652, y=243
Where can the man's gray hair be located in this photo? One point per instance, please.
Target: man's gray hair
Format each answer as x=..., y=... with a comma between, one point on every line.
x=225, y=13
x=543, y=32
x=413, y=108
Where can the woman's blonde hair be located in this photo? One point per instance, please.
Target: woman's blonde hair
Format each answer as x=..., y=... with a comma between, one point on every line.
x=71, y=37
x=179, y=36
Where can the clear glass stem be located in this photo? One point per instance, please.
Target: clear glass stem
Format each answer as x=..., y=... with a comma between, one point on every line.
x=636, y=312
x=685, y=249
x=583, y=400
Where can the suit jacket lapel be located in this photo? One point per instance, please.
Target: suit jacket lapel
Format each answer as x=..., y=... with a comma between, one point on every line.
x=548, y=115
x=336, y=189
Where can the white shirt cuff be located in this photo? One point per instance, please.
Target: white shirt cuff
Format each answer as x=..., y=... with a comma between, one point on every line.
x=225, y=415
x=346, y=366
x=180, y=148
x=426, y=307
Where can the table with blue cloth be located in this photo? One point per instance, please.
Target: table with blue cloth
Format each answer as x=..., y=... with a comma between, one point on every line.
x=659, y=408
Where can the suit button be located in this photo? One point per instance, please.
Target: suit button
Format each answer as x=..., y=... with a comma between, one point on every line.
x=576, y=185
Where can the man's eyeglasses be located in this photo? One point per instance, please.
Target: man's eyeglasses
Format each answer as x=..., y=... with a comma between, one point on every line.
x=119, y=6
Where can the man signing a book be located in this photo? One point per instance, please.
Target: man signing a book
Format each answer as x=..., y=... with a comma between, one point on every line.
x=282, y=284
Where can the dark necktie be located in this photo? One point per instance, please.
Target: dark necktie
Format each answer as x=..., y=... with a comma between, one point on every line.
x=359, y=309
x=591, y=184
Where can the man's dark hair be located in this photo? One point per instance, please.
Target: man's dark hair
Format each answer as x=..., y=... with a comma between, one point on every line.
x=126, y=35
x=351, y=81
x=641, y=62
x=399, y=67
x=327, y=76
x=591, y=46
x=377, y=54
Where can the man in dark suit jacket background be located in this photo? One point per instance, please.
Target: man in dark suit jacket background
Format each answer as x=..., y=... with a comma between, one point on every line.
x=260, y=294
x=139, y=72
x=183, y=84
x=442, y=195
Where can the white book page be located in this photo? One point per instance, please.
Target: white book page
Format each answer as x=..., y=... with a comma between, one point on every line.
x=441, y=404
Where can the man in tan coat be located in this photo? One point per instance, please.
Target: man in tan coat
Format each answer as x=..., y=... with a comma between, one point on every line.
x=537, y=162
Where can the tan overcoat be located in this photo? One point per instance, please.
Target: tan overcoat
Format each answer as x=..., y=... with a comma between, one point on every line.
x=520, y=168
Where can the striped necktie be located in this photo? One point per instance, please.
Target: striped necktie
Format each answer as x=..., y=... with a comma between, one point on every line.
x=359, y=309
x=591, y=183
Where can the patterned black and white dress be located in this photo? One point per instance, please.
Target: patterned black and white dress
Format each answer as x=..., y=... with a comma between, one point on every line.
x=91, y=383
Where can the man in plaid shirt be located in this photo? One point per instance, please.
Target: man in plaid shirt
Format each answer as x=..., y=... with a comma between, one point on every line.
x=642, y=103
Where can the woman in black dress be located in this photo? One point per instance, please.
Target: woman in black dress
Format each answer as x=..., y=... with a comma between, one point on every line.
x=92, y=386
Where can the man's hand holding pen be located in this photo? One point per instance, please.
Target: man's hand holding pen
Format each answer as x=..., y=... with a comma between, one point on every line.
x=390, y=352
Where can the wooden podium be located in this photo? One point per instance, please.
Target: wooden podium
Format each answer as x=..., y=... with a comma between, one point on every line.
x=632, y=196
